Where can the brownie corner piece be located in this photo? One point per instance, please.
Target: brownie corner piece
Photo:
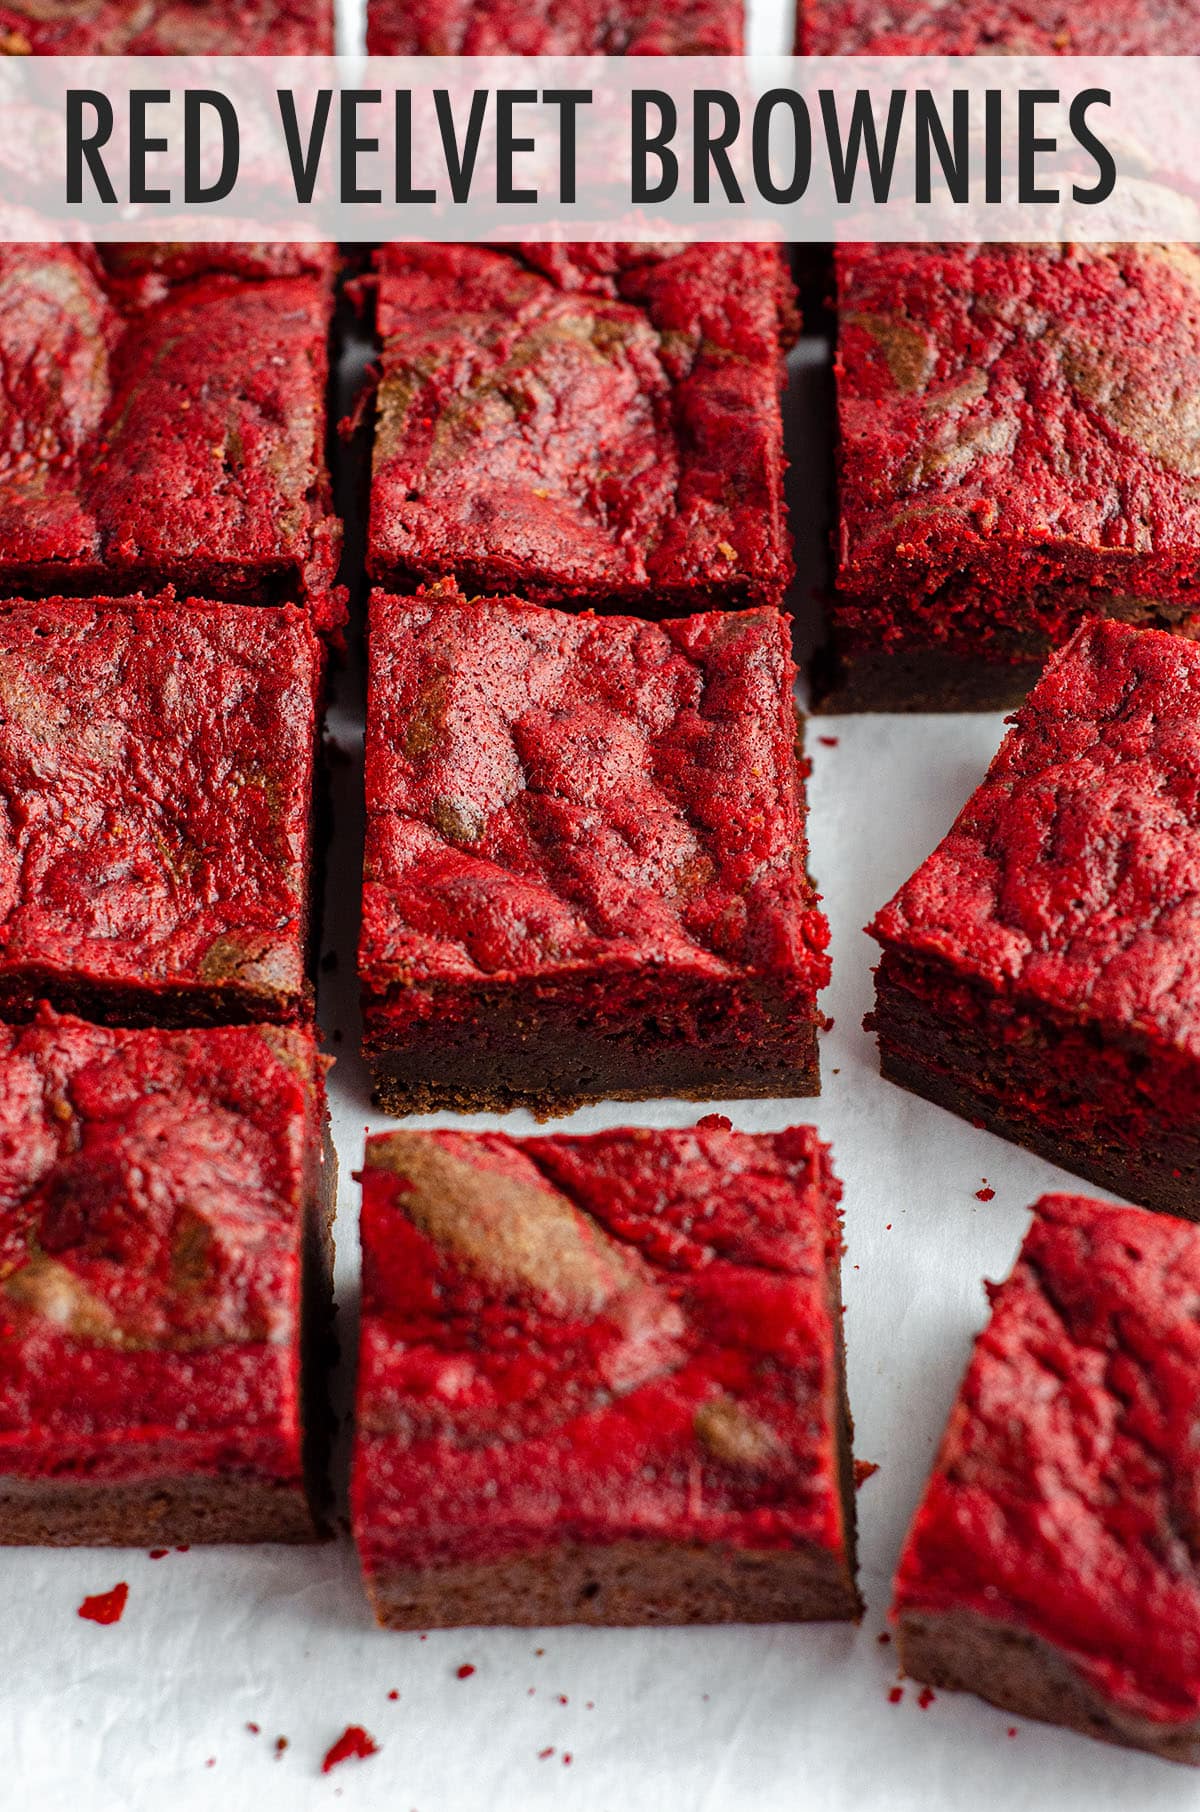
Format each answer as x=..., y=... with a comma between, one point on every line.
x=166, y=1204
x=1037, y=969
x=157, y=765
x=1051, y=1564
x=586, y=859
x=629, y=1406
x=947, y=598
x=593, y=425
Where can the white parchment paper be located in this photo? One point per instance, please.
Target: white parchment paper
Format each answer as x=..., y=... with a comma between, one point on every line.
x=220, y=1652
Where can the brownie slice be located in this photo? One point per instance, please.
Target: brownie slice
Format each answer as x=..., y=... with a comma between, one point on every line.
x=165, y=1209
x=1033, y=28
x=1040, y=968
x=1016, y=455
x=482, y=28
x=1052, y=1563
x=156, y=770
x=1016, y=452
x=163, y=432
x=604, y=428
x=601, y=1380
x=180, y=28
x=585, y=864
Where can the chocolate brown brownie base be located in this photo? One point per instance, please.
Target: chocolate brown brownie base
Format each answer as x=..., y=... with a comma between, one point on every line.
x=977, y=1073
x=959, y=1651
x=552, y=1070
x=917, y=680
x=624, y=1584
x=170, y=1511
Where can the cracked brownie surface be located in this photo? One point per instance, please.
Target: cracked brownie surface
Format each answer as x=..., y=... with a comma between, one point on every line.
x=629, y=1335
x=157, y=1190
x=180, y=28
x=1062, y=1507
x=585, y=846
x=563, y=28
x=158, y=432
x=156, y=766
x=606, y=426
x=945, y=28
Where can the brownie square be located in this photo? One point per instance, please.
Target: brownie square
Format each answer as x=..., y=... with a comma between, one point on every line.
x=156, y=770
x=165, y=1209
x=1040, y=968
x=590, y=423
x=1016, y=456
x=163, y=432
x=585, y=868
x=1033, y=28
x=180, y=28
x=1051, y=1567
x=601, y=1380
x=550, y=28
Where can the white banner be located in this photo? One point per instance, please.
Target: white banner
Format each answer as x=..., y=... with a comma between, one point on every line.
x=602, y=148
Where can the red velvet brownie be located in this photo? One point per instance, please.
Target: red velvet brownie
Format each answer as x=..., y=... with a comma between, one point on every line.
x=1040, y=969
x=165, y=1205
x=1051, y=1566
x=601, y=1380
x=585, y=858
x=180, y=28
x=603, y=428
x=163, y=433
x=156, y=770
x=1016, y=455
x=555, y=28
x=1035, y=28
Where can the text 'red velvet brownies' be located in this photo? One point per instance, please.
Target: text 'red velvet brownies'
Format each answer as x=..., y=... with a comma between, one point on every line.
x=1040, y=968
x=601, y=1380
x=598, y=424
x=165, y=1201
x=164, y=432
x=156, y=767
x=585, y=869
x=1051, y=1566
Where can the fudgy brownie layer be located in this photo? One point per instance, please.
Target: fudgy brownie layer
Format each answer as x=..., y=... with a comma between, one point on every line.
x=1106, y=1109
x=164, y=1510
x=915, y=680
x=959, y=1651
x=623, y=1584
x=552, y=1060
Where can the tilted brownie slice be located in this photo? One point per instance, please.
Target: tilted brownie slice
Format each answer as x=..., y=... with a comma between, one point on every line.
x=156, y=768
x=165, y=1210
x=180, y=28
x=1017, y=454
x=1052, y=1564
x=483, y=28
x=603, y=428
x=585, y=865
x=1040, y=971
x=163, y=432
x=601, y=1380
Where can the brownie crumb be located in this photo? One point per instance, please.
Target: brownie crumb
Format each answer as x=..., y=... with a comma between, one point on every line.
x=106, y=1607
x=354, y=1742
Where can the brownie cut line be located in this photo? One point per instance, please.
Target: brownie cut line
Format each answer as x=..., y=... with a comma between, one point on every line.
x=1040, y=970
x=1052, y=1563
x=601, y=1380
x=156, y=766
x=165, y=432
x=166, y=1201
x=586, y=861
x=594, y=424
